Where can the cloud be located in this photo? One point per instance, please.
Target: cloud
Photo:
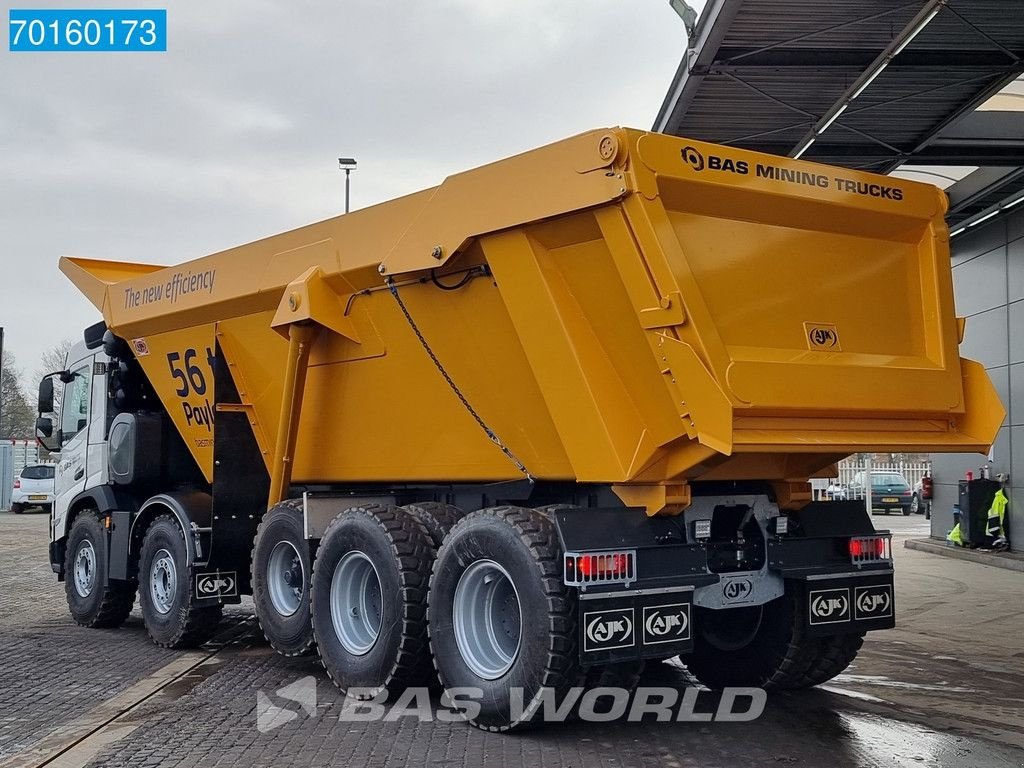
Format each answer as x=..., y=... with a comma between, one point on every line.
x=233, y=134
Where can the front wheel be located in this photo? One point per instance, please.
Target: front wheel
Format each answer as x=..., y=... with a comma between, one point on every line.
x=169, y=604
x=92, y=600
x=915, y=504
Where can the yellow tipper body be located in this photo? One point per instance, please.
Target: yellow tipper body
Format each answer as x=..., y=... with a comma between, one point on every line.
x=656, y=311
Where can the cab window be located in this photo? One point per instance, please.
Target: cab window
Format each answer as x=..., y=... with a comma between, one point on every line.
x=75, y=406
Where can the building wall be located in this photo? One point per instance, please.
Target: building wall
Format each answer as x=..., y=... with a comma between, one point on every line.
x=988, y=280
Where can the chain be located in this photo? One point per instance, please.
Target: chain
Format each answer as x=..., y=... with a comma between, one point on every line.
x=455, y=388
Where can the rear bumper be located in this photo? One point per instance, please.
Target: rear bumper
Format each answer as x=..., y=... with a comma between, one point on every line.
x=901, y=506
x=653, y=614
x=31, y=499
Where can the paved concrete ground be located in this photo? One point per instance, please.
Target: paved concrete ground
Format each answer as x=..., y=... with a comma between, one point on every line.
x=945, y=688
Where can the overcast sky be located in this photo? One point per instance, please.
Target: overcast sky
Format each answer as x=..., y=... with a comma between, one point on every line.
x=234, y=133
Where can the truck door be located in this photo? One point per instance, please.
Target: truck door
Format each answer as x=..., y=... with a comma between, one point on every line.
x=74, y=435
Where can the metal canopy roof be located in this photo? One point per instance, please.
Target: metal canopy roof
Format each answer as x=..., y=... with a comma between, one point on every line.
x=868, y=84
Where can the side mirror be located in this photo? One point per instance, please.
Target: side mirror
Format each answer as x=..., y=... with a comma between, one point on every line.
x=45, y=397
x=44, y=434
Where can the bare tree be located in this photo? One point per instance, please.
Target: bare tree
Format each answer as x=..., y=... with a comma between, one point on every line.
x=17, y=414
x=54, y=359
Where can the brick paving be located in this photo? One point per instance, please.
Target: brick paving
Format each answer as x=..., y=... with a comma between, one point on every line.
x=897, y=706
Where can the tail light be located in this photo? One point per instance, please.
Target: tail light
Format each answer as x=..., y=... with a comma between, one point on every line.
x=870, y=549
x=17, y=483
x=583, y=569
x=926, y=487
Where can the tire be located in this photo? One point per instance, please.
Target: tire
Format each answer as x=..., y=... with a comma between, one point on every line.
x=518, y=550
x=765, y=647
x=385, y=647
x=915, y=504
x=280, y=579
x=436, y=517
x=619, y=675
x=928, y=510
x=833, y=656
x=17, y=508
x=85, y=567
x=168, y=601
x=906, y=511
x=624, y=674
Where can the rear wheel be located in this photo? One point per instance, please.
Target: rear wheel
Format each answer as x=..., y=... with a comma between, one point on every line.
x=501, y=620
x=93, y=601
x=915, y=504
x=765, y=647
x=17, y=508
x=369, y=600
x=625, y=674
x=436, y=517
x=170, y=609
x=280, y=579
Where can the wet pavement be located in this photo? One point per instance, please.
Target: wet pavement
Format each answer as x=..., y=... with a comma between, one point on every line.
x=946, y=688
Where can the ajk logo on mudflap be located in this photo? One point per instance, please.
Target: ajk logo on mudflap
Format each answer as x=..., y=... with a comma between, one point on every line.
x=605, y=630
x=216, y=584
x=829, y=606
x=873, y=602
x=666, y=623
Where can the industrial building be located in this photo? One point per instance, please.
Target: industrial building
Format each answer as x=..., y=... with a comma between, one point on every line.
x=928, y=90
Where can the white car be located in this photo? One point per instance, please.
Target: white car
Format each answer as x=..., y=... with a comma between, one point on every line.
x=33, y=488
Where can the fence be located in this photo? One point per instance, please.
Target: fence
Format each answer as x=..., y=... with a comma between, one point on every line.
x=14, y=456
x=850, y=482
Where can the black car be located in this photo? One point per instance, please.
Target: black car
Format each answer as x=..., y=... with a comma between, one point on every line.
x=890, y=491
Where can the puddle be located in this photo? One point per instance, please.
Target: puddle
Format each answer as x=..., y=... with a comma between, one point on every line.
x=885, y=682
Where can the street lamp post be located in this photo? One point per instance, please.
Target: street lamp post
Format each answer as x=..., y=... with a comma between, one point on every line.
x=347, y=164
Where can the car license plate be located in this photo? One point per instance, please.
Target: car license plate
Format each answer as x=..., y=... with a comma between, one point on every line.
x=891, y=500
x=37, y=497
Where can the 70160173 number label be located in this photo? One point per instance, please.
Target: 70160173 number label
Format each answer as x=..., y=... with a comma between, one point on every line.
x=64, y=30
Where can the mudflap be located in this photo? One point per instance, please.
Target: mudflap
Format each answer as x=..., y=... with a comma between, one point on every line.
x=627, y=626
x=841, y=605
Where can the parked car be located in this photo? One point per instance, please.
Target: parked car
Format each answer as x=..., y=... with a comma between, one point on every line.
x=33, y=488
x=921, y=501
x=837, y=492
x=890, y=491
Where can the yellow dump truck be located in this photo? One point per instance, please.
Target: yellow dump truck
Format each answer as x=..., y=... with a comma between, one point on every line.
x=524, y=430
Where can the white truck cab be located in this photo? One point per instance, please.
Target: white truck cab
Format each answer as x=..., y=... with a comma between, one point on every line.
x=76, y=433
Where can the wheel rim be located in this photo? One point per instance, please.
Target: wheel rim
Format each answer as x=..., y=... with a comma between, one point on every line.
x=356, y=603
x=286, y=578
x=163, y=581
x=487, y=618
x=85, y=569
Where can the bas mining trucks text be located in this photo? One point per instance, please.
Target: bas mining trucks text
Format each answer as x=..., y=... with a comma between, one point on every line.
x=524, y=430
